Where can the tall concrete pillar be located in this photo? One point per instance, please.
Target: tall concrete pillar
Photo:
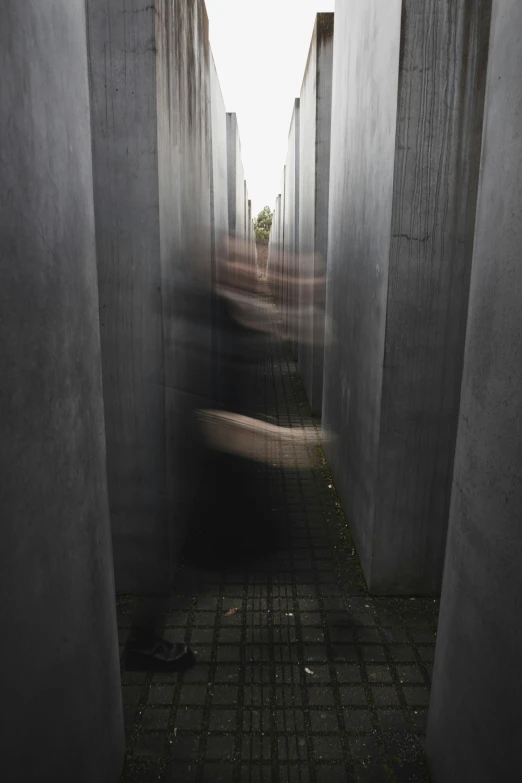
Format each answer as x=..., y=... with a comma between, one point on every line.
x=291, y=235
x=218, y=213
x=407, y=113
x=273, y=253
x=280, y=256
x=314, y=176
x=236, y=187
x=149, y=74
x=219, y=174
x=250, y=234
x=475, y=721
x=245, y=213
x=61, y=695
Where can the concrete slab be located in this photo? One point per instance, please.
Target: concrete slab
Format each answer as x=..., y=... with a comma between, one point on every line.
x=219, y=174
x=314, y=177
x=59, y=657
x=280, y=256
x=291, y=231
x=407, y=114
x=219, y=211
x=475, y=723
x=273, y=251
x=245, y=212
x=236, y=188
x=250, y=233
x=151, y=142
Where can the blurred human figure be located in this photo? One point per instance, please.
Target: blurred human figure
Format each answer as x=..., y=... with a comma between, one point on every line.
x=234, y=518
x=237, y=516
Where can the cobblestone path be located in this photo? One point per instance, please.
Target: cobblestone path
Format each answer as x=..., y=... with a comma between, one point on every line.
x=310, y=680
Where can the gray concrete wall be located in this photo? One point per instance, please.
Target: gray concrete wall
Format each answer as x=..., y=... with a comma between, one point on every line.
x=273, y=250
x=280, y=256
x=291, y=231
x=314, y=176
x=245, y=213
x=219, y=173
x=61, y=695
x=250, y=231
x=361, y=186
x=218, y=209
x=126, y=197
x=402, y=206
x=184, y=150
x=236, y=188
x=274, y=263
x=275, y=281
x=149, y=71
x=475, y=722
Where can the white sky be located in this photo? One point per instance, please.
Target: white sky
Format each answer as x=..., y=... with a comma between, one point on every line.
x=260, y=48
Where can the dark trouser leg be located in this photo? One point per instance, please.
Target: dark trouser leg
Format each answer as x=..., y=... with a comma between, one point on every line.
x=148, y=620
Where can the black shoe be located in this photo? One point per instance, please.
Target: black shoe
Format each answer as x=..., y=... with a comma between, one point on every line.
x=158, y=655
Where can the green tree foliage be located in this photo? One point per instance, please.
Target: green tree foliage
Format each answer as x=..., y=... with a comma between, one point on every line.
x=262, y=225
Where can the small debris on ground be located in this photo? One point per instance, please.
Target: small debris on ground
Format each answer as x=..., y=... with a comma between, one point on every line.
x=231, y=611
x=308, y=671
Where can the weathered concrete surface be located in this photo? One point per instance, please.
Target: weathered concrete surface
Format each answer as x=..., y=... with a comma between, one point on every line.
x=245, y=213
x=282, y=233
x=184, y=150
x=273, y=248
x=402, y=207
x=277, y=285
x=314, y=177
x=218, y=211
x=59, y=656
x=149, y=71
x=219, y=174
x=251, y=253
x=291, y=232
x=475, y=722
x=236, y=188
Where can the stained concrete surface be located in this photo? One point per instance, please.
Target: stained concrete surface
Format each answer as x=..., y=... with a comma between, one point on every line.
x=314, y=176
x=290, y=261
x=475, y=720
x=126, y=197
x=219, y=194
x=276, y=232
x=407, y=116
x=184, y=151
x=219, y=211
x=245, y=213
x=59, y=654
x=236, y=185
x=250, y=233
x=278, y=284
x=273, y=247
x=149, y=76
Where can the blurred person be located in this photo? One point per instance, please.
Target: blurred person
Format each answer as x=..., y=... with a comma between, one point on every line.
x=187, y=309
x=237, y=516
x=234, y=518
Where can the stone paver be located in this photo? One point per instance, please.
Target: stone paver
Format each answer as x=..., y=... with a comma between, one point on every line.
x=312, y=679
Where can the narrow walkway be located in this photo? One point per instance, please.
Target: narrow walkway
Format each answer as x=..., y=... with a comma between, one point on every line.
x=310, y=680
